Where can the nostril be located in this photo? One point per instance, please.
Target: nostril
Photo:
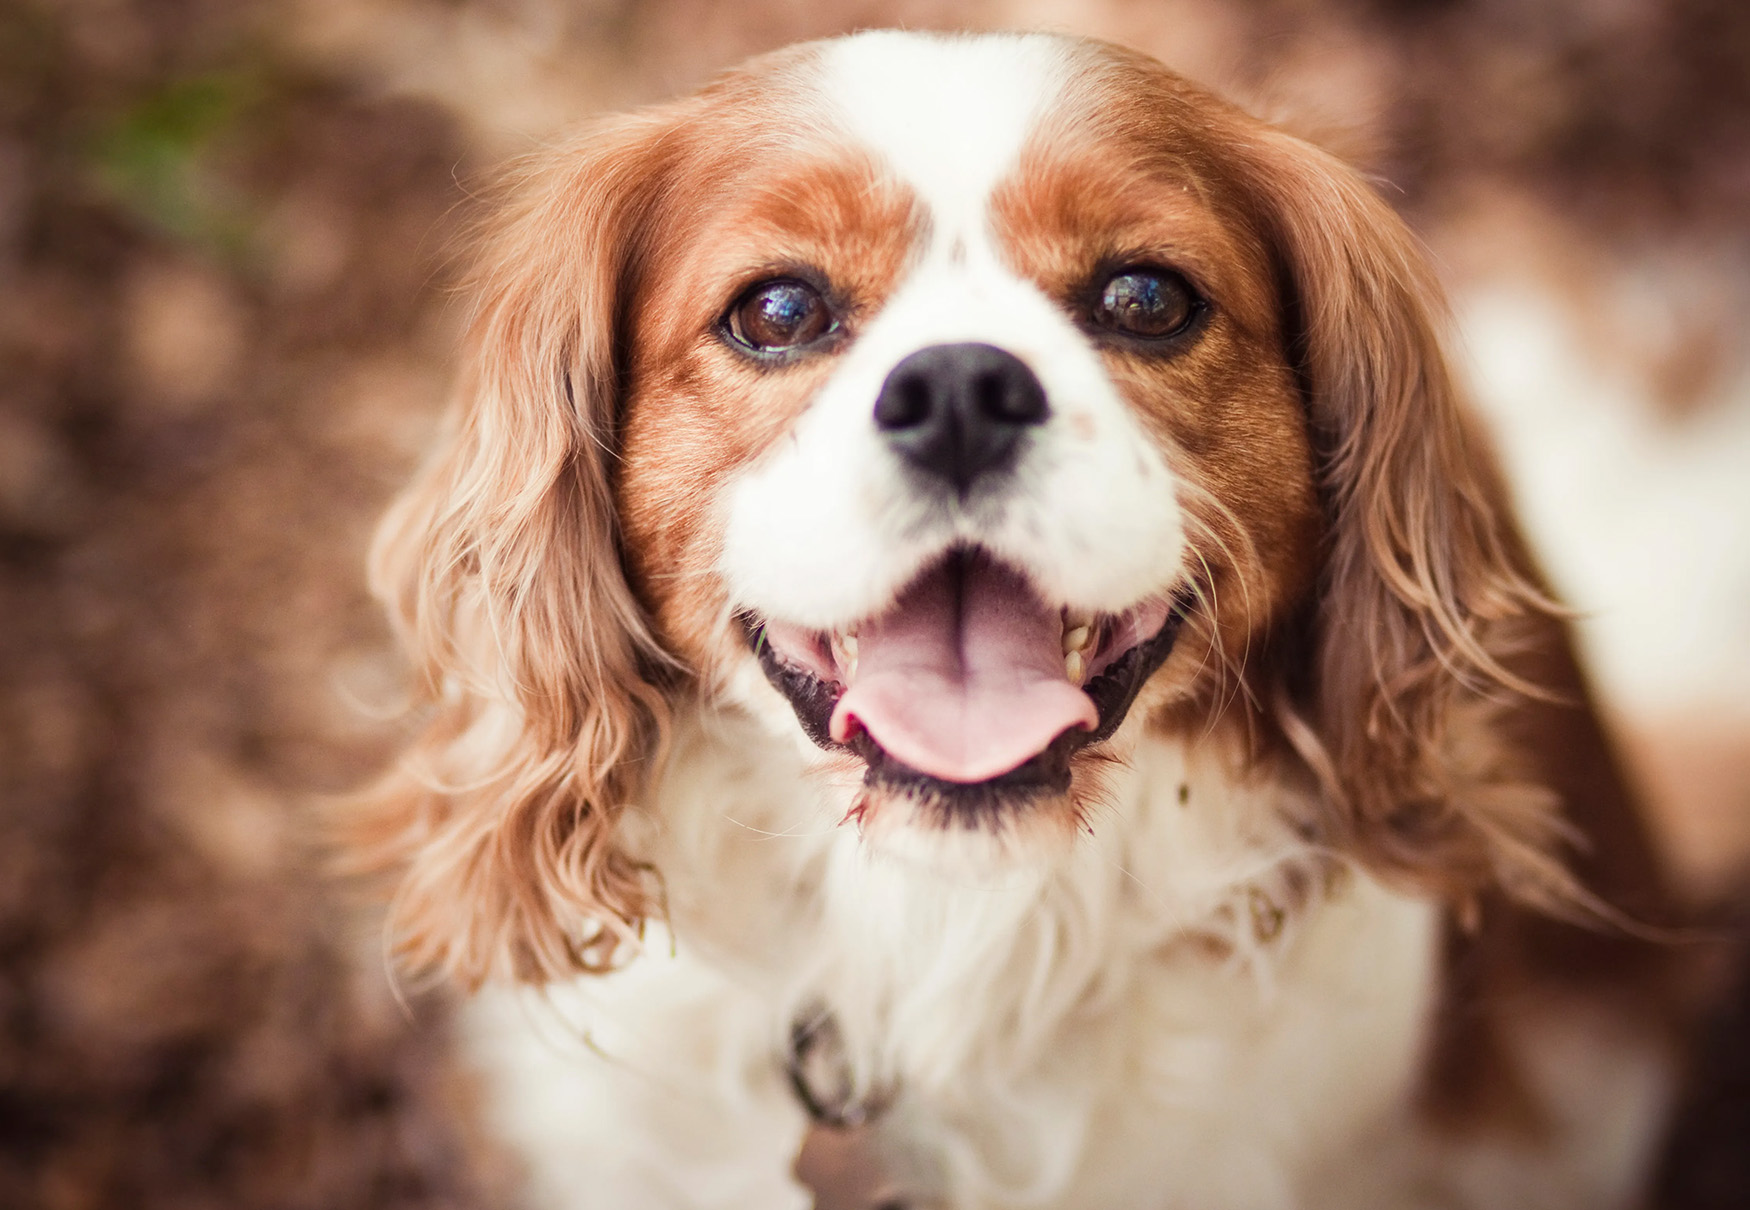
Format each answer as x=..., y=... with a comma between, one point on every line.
x=906, y=406
x=1009, y=397
x=990, y=395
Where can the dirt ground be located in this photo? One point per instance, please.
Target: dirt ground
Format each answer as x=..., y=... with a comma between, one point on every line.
x=227, y=231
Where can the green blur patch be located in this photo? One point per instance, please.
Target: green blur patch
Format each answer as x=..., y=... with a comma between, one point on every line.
x=158, y=159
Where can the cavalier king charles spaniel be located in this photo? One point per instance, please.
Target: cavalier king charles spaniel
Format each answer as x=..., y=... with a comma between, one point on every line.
x=960, y=605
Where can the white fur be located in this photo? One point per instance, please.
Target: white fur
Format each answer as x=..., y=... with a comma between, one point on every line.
x=1113, y=1031
x=651, y=1089
x=1090, y=512
x=948, y=115
x=1604, y=1116
x=1641, y=518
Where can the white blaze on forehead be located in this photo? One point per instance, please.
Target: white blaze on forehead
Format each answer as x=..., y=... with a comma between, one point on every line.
x=949, y=115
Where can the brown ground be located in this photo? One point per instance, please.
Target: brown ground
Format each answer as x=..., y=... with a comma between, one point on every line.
x=223, y=339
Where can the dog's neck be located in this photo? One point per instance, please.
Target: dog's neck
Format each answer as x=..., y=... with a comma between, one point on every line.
x=1181, y=853
x=1194, y=976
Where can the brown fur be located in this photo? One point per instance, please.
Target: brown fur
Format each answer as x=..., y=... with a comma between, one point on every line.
x=1420, y=597
x=537, y=663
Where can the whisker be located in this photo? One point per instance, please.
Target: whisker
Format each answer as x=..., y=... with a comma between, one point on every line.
x=1235, y=683
x=788, y=834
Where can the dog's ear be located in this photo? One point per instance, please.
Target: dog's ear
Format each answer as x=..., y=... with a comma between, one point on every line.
x=541, y=682
x=1427, y=590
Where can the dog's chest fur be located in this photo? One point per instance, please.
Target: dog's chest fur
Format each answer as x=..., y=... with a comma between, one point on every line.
x=1193, y=1001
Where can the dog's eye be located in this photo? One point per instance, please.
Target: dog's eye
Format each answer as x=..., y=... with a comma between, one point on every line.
x=777, y=316
x=1149, y=303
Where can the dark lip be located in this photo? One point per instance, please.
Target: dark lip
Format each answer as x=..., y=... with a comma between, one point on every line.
x=1045, y=775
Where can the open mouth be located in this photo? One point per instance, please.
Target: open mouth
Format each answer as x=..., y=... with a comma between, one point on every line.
x=968, y=687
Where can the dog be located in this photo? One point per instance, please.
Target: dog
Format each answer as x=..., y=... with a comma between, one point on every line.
x=961, y=604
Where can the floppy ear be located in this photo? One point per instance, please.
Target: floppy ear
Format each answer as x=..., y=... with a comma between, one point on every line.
x=540, y=681
x=1427, y=595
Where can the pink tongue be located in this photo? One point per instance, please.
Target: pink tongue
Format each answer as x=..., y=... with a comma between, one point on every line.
x=962, y=678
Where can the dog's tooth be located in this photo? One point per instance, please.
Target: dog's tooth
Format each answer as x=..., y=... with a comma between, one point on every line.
x=1075, y=640
x=844, y=653
x=1072, y=666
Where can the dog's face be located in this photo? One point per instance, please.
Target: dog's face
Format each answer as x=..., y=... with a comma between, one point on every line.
x=965, y=408
x=965, y=411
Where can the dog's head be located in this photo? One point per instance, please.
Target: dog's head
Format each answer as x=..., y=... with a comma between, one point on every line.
x=963, y=406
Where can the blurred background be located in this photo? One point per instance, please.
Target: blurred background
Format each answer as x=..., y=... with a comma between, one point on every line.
x=227, y=233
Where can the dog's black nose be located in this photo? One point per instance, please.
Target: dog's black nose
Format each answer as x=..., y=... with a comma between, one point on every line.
x=959, y=411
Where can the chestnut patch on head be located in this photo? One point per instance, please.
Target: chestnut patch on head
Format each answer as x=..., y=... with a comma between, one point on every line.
x=782, y=259
x=1141, y=235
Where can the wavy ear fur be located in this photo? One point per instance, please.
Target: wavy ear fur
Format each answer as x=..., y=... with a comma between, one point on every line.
x=1428, y=597
x=539, y=678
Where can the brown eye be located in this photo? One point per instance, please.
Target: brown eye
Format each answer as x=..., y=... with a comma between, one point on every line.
x=1148, y=303
x=778, y=316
